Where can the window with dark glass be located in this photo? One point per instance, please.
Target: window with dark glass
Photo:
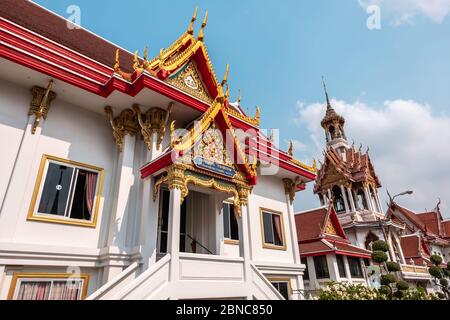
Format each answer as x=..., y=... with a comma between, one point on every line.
x=68, y=191
x=272, y=228
x=306, y=272
x=341, y=266
x=338, y=199
x=355, y=267
x=282, y=287
x=163, y=223
x=321, y=267
x=230, y=224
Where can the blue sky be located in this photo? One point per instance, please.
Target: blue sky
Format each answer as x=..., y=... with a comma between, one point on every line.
x=278, y=51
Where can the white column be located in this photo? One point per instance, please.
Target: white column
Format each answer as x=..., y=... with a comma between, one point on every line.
x=293, y=231
x=312, y=273
x=329, y=195
x=244, y=242
x=123, y=182
x=368, y=199
x=391, y=248
x=26, y=167
x=399, y=248
x=333, y=267
x=344, y=196
x=173, y=243
x=347, y=269
x=352, y=201
x=378, y=201
x=149, y=213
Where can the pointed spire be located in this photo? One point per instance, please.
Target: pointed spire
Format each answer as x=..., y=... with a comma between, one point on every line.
x=291, y=149
x=201, y=35
x=191, y=25
x=225, y=77
x=326, y=93
x=117, y=62
x=239, y=97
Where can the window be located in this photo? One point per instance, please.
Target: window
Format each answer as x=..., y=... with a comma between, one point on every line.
x=48, y=287
x=230, y=224
x=341, y=266
x=321, y=267
x=362, y=203
x=272, y=230
x=355, y=267
x=66, y=192
x=163, y=222
x=338, y=200
x=282, y=286
x=306, y=273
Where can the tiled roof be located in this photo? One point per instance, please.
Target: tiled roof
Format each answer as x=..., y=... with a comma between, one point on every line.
x=323, y=247
x=309, y=224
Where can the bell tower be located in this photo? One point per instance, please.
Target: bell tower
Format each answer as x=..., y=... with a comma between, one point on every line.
x=333, y=124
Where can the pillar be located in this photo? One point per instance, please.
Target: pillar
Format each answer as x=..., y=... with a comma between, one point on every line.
x=347, y=270
x=351, y=199
x=368, y=198
x=244, y=245
x=13, y=201
x=333, y=267
x=391, y=248
x=344, y=196
x=173, y=243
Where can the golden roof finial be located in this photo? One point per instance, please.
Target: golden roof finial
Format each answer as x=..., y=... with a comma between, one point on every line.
x=145, y=57
x=257, y=114
x=191, y=25
x=225, y=77
x=239, y=97
x=227, y=94
x=136, y=60
x=117, y=63
x=315, y=165
x=291, y=149
x=201, y=35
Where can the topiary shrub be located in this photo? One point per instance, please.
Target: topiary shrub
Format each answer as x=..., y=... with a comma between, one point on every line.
x=399, y=294
x=435, y=272
x=386, y=290
x=379, y=256
x=440, y=295
x=446, y=273
x=393, y=266
x=387, y=279
x=444, y=283
x=402, y=285
x=380, y=245
x=436, y=260
x=448, y=265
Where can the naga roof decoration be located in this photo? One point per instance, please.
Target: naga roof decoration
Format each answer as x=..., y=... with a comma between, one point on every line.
x=357, y=167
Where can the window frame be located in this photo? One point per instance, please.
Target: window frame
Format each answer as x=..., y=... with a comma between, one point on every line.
x=34, y=215
x=282, y=280
x=46, y=277
x=270, y=245
x=327, y=268
x=227, y=240
x=355, y=259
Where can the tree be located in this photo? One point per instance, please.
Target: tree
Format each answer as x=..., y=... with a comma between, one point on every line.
x=439, y=274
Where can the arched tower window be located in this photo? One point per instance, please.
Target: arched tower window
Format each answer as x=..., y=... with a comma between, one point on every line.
x=362, y=202
x=332, y=131
x=374, y=200
x=371, y=237
x=338, y=200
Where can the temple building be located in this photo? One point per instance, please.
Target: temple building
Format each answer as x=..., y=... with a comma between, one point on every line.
x=348, y=180
x=130, y=177
x=327, y=252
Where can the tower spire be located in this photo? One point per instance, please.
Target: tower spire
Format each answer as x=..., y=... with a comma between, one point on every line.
x=326, y=93
x=194, y=18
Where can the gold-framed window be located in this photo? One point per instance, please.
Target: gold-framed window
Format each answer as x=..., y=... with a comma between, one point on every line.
x=66, y=192
x=48, y=286
x=230, y=224
x=283, y=286
x=272, y=229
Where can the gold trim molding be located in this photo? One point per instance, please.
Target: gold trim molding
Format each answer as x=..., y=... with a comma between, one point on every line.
x=124, y=123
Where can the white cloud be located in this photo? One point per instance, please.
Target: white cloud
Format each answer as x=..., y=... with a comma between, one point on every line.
x=408, y=146
x=404, y=11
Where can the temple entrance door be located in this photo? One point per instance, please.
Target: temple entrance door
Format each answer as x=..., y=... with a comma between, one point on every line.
x=163, y=223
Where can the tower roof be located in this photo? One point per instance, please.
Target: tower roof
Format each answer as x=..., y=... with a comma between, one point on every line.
x=330, y=116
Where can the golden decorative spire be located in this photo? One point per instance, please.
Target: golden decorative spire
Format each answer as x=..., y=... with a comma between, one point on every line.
x=257, y=114
x=201, y=35
x=326, y=93
x=191, y=25
x=145, y=64
x=225, y=77
x=136, y=60
x=315, y=165
x=291, y=149
x=239, y=97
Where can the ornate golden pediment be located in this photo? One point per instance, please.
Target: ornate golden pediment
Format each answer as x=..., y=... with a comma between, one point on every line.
x=329, y=228
x=189, y=80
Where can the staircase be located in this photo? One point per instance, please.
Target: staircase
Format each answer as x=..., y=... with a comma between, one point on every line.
x=199, y=277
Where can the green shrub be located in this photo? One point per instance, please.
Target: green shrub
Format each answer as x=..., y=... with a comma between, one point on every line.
x=436, y=260
x=446, y=272
x=386, y=290
x=435, y=272
x=393, y=266
x=379, y=256
x=380, y=245
x=387, y=279
x=440, y=295
x=444, y=283
x=402, y=285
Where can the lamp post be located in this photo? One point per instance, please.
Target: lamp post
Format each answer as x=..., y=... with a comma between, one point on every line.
x=408, y=192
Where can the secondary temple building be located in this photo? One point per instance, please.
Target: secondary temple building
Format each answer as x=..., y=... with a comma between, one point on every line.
x=124, y=177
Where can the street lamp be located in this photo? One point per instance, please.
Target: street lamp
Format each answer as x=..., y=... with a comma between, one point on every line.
x=408, y=192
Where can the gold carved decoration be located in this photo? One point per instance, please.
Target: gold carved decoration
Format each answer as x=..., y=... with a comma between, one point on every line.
x=290, y=187
x=40, y=104
x=189, y=80
x=253, y=121
x=329, y=228
x=153, y=121
x=123, y=124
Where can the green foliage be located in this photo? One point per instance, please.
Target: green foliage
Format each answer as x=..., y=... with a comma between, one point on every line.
x=386, y=290
x=435, y=272
x=402, y=285
x=387, y=279
x=393, y=266
x=380, y=245
x=379, y=256
x=436, y=260
x=440, y=295
x=444, y=283
x=446, y=272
